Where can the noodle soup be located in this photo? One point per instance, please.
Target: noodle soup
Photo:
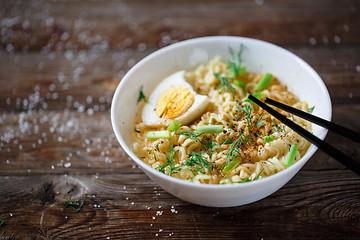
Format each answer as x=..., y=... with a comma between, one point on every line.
x=199, y=125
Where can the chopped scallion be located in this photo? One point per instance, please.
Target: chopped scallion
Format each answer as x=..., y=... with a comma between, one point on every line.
x=174, y=125
x=257, y=95
x=157, y=134
x=231, y=165
x=269, y=138
x=291, y=155
x=264, y=82
x=209, y=129
x=239, y=84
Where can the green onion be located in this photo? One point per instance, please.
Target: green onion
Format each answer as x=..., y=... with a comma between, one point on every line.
x=269, y=138
x=264, y=82
x=157, y=134
x=174, y=125
x=257, y=95
x=231, y=165
x=209, y=129
x=291, y=155
x=239, y=84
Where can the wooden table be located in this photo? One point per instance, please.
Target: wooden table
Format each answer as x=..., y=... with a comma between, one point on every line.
x=60, y=62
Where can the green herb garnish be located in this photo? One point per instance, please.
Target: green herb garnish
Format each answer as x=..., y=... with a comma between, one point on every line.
x=239, y=84
x=141, y=95
x=74, y=204
x=291, y=155
x=229, y=179
x=2, y=221
x=169, y=162
x=209, y=129
x=208, y=145
x=190, y=134
x=224, y=84
x=174, y=125
x=235, y=147
x=231, y=165
x=136, y=130
x=261, y=121
x=157, y=147
x=234, y=65
x=277, y=128
x=157, y=134
x=247, y=110
x=311, y=109
x=198, y=162
x=257, y=95
x=269, y=138
x=264, y=82
x=227, y=141
x=252, y=179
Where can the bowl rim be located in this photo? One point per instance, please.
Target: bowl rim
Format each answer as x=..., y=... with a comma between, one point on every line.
x=309, y=153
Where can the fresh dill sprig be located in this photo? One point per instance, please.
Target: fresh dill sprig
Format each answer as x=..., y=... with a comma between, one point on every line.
x=252, y=179
x=227, y=141
x=208, y=145
x=244, y=180
x=190, y=134
x=170, y=161
x=141, y=95
x=258, y=176
x=277, y=128
x=235, y=148
x=247, y=109
x=261, y=121
x=2, y=221
x=198, y=162
x=311, y=109
x=235, y=64
x=74, y=204
x=271, y=162
x=224, y=84
x=157, y=147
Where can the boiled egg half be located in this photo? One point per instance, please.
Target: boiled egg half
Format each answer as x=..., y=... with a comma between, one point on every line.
x=173, y=98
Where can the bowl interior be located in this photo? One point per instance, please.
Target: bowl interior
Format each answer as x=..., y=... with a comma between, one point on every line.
x=258, y=56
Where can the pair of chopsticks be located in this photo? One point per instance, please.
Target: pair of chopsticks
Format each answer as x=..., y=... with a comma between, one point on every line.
x=322, y=145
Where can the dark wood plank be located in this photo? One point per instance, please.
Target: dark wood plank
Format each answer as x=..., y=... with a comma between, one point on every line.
x=90, y=84
x=60, y=62
x=126, y=205
x=131, y=23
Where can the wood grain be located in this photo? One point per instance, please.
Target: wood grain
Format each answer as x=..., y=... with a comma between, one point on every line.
x=60, y=62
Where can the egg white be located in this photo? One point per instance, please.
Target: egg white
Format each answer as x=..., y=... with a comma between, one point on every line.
x=151, y=119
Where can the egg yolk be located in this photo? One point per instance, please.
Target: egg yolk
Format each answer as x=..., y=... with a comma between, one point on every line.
x=174, y=102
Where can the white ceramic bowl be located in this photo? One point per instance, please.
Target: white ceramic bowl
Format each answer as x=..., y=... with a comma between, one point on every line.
x=259, y=56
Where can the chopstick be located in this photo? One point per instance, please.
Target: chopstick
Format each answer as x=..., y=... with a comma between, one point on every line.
x=319, y=121
x=322, y=145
